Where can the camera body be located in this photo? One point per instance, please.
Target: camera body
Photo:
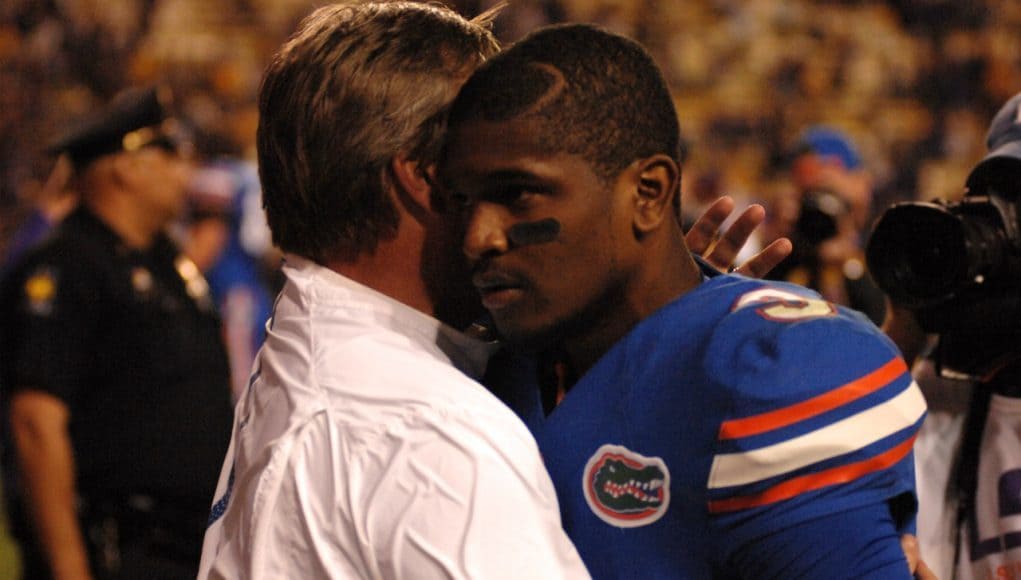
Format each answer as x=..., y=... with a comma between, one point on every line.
x=820, y=212
x=958, y=266
x=819, y=216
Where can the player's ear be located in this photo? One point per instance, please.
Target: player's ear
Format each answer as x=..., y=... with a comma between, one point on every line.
x=657, y=181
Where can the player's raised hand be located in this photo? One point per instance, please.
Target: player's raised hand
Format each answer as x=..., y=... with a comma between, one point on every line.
x=721, y=251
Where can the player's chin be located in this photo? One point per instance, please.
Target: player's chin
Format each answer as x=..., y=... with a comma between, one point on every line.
x=523, y=330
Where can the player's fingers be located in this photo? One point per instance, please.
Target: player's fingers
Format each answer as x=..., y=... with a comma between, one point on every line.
x=923, y=572
x=727, y=248
x=913, y=554
x=909, y=544
x=760, y=264
x=703, y=233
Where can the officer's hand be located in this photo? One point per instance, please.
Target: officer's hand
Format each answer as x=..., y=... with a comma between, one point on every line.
x=721, y=253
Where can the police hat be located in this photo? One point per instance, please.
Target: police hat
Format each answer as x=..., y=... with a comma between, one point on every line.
x=1002, y=165
x=134, y=119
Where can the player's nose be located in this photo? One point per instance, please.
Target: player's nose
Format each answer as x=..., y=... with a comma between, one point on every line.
x=485, y=231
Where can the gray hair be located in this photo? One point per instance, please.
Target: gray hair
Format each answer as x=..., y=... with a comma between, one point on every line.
x=356, y=85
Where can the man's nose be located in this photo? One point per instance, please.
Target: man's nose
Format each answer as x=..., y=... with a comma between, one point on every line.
x=485, y=232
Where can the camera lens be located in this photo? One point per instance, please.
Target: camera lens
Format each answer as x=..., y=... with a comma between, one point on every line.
x=919, y=253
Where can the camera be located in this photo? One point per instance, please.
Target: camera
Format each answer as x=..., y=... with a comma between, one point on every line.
x=819, y=217
x=958, y=266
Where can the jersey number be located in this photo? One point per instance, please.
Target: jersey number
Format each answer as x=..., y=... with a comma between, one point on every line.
x=779, y=306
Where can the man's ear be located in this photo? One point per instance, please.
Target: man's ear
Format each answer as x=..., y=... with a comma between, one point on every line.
x=658, y=180
x=120, y=169
x=414, y=184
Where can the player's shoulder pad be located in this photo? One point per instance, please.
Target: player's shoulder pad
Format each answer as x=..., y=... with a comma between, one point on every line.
x=815, y=396
x=781, y=340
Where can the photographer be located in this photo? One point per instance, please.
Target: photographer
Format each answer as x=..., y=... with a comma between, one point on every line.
x=954, y=270
x=829, y=206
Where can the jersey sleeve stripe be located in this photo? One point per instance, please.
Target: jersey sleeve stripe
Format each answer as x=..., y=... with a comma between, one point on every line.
x=828, y=401
x=814, y=481
x=835, y=439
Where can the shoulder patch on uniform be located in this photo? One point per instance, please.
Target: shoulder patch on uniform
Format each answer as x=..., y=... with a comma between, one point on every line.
x=626, y=489
x=40, y=290
x=781, y=306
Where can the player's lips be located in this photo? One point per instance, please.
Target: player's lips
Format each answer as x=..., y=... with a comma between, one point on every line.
x=498, y=290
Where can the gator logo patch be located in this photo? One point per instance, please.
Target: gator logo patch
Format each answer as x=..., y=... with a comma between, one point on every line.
x=626, y=489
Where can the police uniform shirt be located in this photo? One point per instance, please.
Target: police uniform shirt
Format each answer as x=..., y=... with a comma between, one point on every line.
x=128, y=340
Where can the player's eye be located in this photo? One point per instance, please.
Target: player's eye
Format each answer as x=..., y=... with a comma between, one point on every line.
x=459, y=200
x=516, y=196
x=450, y=200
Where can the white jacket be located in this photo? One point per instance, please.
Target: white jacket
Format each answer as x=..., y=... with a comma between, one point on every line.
x=359, y=450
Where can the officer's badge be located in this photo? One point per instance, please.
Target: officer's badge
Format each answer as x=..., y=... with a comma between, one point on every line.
x=626, y=489
x=194, y=283
x=40, y=291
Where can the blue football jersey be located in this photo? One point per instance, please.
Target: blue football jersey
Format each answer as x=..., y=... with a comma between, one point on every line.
x=738, y=432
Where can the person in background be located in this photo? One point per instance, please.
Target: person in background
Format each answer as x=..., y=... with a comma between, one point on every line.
x=825, y=213
x=227, y=237
x=114, y=377
x=966, y=359
x=50, y=205
x=707, y=425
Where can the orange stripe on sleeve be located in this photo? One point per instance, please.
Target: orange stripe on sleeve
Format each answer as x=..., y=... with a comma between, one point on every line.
x=853, y=390
x=813, y=481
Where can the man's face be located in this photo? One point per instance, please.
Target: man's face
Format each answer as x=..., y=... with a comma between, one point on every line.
x=160, y=179
x=444, y=269
x=546, y=237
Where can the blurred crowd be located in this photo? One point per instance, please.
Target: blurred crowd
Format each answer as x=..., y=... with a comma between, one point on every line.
x=892, y=97
x=911, y=82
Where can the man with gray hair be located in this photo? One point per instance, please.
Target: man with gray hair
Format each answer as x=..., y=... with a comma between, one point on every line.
x=363, y=445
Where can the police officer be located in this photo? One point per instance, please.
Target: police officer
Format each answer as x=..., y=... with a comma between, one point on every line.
x=113, y=370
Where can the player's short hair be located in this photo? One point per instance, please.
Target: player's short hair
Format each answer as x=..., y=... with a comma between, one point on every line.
x=356, y=85
x=597, y=94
